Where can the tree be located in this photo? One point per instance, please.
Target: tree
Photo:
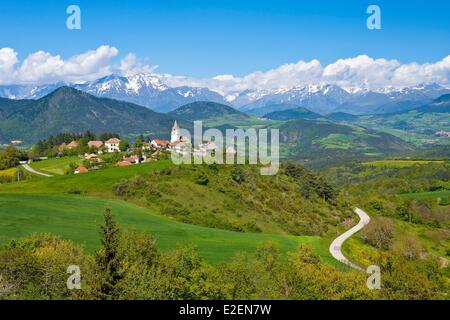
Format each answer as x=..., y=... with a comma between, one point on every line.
x=108, y=258
x=124, y=145
x=379, y=233
x=11, y=157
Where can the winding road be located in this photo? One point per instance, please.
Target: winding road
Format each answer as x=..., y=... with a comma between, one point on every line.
x=336, y=245
x=30, y=169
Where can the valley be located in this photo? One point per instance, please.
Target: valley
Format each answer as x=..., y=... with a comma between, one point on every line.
x=392, y=166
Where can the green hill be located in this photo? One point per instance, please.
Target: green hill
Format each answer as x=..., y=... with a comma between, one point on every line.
x=225, y=197
x=204, y=110
x=342, y=116
x=293, y=114
x=326, y=142
x=70, y=110
x=440, y=105
x=77, y=218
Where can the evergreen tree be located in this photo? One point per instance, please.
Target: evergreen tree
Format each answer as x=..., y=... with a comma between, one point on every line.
x=107, y=258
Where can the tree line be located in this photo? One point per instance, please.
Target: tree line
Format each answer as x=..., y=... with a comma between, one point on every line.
x=129, y=265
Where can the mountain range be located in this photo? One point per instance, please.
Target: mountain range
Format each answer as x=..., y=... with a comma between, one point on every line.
x=304, y=135
x=149, y=90
x=70, y=110
x=204, y=110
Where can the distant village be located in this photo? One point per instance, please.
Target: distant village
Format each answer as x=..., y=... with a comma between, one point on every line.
x=147, y=152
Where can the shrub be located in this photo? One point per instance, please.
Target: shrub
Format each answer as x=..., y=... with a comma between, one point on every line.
x=202, y=179
x=379, y=233
x=238, y=175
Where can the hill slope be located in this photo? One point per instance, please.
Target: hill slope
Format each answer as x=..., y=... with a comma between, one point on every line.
x=70, y=110
x=440, y=105
x=77, y=218
x=420, y=125
x=328, y=142
x=204, y=110
x=224, y=197
x=292, y=114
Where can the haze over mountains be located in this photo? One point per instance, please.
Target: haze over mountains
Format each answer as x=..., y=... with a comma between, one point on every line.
x=150, y=90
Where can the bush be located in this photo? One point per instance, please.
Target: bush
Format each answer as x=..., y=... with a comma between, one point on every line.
x=379, y=233
x=121, y=188
x=238, y=175
x=202, y=179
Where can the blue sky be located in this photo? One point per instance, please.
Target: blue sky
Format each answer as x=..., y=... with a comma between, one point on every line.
x=206, y=38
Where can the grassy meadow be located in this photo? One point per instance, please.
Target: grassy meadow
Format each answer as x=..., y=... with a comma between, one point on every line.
x=78, y=218
x=55, y=166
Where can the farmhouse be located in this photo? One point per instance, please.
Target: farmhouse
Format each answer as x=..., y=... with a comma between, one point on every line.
x=132, y=159
x=159, y=144
x=74, y=144
x=112, y=145
x=95, y=144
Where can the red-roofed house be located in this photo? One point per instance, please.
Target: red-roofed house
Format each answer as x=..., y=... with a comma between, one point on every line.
x=159, y=144
x=123, y=164
x=81, y=169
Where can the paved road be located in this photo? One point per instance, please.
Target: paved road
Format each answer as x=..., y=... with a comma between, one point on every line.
x=30, y=169
x=335, y=247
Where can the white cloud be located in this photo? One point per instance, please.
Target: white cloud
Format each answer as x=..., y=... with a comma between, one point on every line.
x=8, y=59
x=131, y=65
x=360, y=71
x=43, y=67
x=413, y=73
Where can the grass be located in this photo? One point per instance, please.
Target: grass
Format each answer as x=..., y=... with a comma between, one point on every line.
x=97, y=183
x=55, y=166
x=9, y=173
x=399, y=163
x=77, y=218
x=427, y=195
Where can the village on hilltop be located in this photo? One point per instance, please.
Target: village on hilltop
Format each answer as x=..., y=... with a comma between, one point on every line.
x=140, y=152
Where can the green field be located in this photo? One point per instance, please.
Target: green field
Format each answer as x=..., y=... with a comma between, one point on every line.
x=55, y=166
x=426, y=195
x=399, y=163
x=98, y=182
x=78, y=218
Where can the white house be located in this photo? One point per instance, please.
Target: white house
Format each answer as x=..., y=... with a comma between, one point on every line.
x=112, y=145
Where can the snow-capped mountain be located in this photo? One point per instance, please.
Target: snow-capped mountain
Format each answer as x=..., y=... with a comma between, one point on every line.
x=326, y=98
x=150, y=90
x=142, y=89
x=322, y=98
x=28, y=91
x=389, y=99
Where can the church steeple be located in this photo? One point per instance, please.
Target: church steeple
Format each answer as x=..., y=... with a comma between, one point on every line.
x=175, y=132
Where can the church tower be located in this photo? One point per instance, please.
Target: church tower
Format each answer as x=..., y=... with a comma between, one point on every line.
x=175, y=132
